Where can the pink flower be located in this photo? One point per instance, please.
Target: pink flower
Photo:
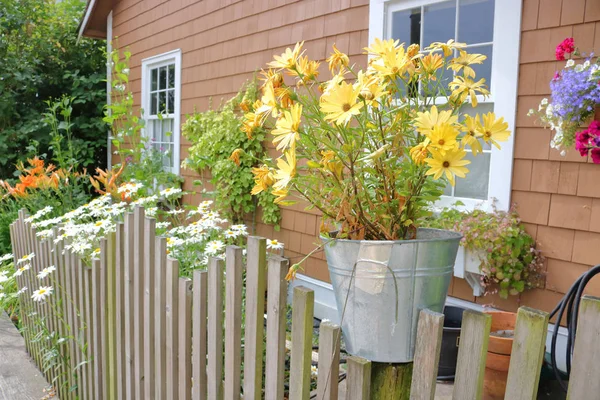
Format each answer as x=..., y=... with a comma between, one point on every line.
x=596, y=155
x=557, y=75
x=566, y=46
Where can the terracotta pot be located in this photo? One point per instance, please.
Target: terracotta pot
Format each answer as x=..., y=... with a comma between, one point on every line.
x=498, y=356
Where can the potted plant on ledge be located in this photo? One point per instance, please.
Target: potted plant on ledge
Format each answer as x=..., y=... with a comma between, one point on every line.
x=372, y=149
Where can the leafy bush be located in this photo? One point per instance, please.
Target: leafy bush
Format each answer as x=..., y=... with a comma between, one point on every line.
x=42, y=60
x=222, y=153
x=510, y=262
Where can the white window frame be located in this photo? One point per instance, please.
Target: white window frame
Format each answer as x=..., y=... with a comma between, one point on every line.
x=109, y=33
x=503, y=88
x=148, y=64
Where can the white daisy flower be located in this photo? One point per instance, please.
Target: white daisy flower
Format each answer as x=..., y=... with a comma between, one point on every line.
x=231, y=234
x=151, y=212
x=46, y=271
x=22, y=290
x=214, y=247
x=176, y=211
x=42, y=293
x=2, y=295
x=274, y=244
x=6, y=257
x=25, y=258
x=20, y=271
x=163, y=225
x=170, y=192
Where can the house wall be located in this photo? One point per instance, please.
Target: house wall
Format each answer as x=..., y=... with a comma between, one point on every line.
x=557, y=197
x=223, y=43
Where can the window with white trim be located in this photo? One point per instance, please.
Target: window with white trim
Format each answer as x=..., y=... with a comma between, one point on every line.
x=161, y=98
x=489, y=27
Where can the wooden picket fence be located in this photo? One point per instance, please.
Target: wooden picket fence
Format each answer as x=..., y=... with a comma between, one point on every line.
x=143, y=332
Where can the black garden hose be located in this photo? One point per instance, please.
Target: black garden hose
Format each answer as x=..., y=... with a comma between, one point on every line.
x=570, y=304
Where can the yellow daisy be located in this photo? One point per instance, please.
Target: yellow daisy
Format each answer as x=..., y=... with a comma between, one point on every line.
x=425, y=121
x=263, y=179
x=464, y=62
x=443, y=137
x=337, y=59
x=463, y=87
x=286, y=128
x=447, y=47
x=450, y=163
x=494, y=130
x=340, y=103
x=430, y=64
x=379, y=47
x=472, y=135
x=286, y=171
x=288, y=59
x=393, y=63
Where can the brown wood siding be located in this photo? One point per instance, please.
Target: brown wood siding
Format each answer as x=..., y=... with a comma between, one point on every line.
x=223, y=43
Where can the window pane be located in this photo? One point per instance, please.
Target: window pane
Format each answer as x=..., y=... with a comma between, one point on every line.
x=167, y=130
x=171, y=76
x=171, y=101
x=154, y=79
x=162, y=78
x=168, y=156
x=483, y=70
x=162, y=101
x=439, y=22
x=475, y=185
x=155, y=135
x=153, y=103
x=406, y=26
x=476, y=21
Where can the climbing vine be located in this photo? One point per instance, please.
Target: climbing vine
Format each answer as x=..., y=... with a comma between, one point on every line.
x=216, y=134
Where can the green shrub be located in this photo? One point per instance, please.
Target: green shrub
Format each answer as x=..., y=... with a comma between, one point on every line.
x=42, y=60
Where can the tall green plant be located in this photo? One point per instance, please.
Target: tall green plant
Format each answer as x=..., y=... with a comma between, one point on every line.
x=225, y=156
x=41, y=60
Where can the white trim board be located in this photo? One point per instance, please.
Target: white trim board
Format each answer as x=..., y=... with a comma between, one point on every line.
x=109, y=48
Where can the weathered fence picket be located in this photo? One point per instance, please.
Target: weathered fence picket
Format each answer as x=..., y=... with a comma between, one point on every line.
x=136, y=329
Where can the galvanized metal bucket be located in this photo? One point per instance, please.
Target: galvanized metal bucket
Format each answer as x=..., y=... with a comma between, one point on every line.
x=381, y=286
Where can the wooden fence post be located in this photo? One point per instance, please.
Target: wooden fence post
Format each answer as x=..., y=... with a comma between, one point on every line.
x=138, y=300
x=527, y=354
x=199, y=331
x=215, y=329
x=149, y=310
x=160, y=336
x=233, y=322
x=358, y=382
x=97, y=334
x=276, y=316
x=128, y=304
x=329, y=361
x=584, y=382
x=256, y=285
x=185, y=339
x=472, y=353
x=427, y=355
x=172, y=331
x=302, y=332
x=120, y=310
x=109, y=255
